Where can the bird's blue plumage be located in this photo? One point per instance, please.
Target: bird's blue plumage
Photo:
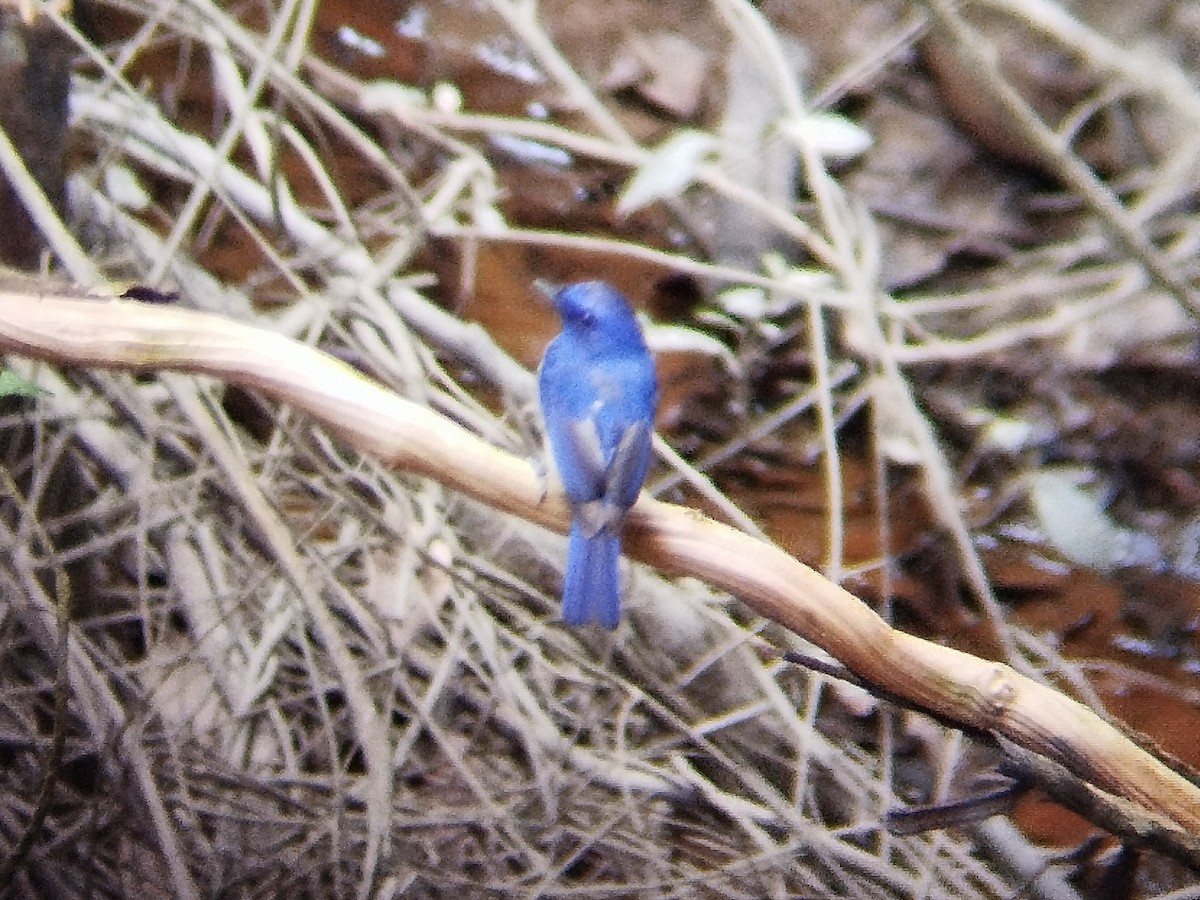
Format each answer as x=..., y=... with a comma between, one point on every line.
x=598, y=397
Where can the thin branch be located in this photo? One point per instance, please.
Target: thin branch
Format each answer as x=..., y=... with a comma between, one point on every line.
x=19, y=852
x=976, y=57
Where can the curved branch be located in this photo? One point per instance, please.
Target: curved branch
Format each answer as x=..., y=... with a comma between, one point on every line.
x=67, y=327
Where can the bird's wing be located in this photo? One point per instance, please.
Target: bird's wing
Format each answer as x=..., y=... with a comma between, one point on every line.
x=627, y=469
x=620, y=481
x=587, y=455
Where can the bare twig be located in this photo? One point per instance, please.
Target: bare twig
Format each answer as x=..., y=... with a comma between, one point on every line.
x=52, y=761
x=968, y=46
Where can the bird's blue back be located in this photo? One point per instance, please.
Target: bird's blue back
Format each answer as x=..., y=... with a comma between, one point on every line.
x=597, y=369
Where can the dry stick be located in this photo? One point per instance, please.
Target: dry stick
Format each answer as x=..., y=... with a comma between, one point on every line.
x=971, y=51
x=67, y=328
x=52, y=761
x=1150, y=73
x=99, y=704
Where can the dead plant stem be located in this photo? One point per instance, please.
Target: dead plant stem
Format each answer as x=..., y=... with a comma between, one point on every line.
x=977, y=57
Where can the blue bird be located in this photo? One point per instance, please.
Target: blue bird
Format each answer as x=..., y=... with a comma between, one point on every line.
x=598, y=397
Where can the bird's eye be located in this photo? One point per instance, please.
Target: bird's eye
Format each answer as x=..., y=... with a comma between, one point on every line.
x=587, y=319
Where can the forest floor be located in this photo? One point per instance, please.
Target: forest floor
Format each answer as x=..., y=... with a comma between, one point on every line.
x=942, y=356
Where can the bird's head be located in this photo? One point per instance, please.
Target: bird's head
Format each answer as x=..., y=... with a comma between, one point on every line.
x=599, y=314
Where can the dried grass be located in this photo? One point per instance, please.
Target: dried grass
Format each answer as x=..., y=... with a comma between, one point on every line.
x=295, y=673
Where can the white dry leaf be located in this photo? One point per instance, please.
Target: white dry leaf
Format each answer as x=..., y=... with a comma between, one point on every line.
x=832, y=136
x=742, y=307
x=489, y=220
x=802, y=278
x=1187, y=551
x=531, y=153
x=385, y=96
x=804, y=284
x=666, y=69
x=1008, y=434
x=678, y=339
x=748, y=304
x=125, y=189
x=183, y=690
x=446, y=98
x=717, y=320
x=668, y=171
x=1074, y=523
x=897, y=435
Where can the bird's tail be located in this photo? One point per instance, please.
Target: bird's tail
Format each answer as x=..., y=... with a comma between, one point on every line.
x=591, y=586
